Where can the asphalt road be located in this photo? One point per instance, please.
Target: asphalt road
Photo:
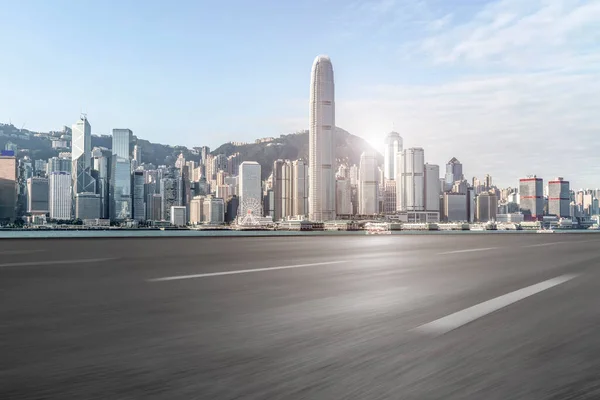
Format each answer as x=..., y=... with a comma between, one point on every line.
x=346, y=317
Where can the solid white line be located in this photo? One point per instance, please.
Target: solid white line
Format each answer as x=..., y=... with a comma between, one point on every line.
x=241, y=271
x=57, y=262
x=460, y=318
x=468, y=250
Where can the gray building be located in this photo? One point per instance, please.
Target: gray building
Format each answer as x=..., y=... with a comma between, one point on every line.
x=121, y=143
x=455, y=207
x=87, y=206
x=37, y=195
x=139, y=208
x=8, y=188
x=101, y=161
x=487, y=207
x=454, y=172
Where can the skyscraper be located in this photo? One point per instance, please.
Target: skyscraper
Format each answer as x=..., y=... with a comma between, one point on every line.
x=139, y=206
x=454, y=172
x=59, y=199
x=432, y=187
x=81, y=156
x=250, y=186
x=531, y=197
x=8, y=188
x=321, y=203
x=37, y=195
x=299, y=188
x=121, y=143
x=282, y=189
x=137, y=154
x=410, y=180
x=487, y=207
x=368, y=189
x=393, y=146
x=559, y=198
x=101, y=161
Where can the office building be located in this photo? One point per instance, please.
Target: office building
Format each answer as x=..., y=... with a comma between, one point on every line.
x=87, y=206
x=282, y=189
x=368, y=188
x=177, y=216
x=559, y=198
x=250, y=186
x=101, y=163
x=410, y=188
x=139, y=206
x=137, y=154
x=299, y=188
x=231, y=208
x=154, y=208
x=455, y=207
x=168, y=192
x=389, y=196
x=37, y=195
x=531, y=198
x=432, y=187
x=81, y=156
x=321, y=159
x=8, y=188
x=487, y=207
x=121, y=143
x=214, y=210
x=59, y=198
x=204, y=152
x=393, y=146
x=197, y=210
x=343, y=197
x=57, y=164
x=454, y=172
x=120, y=189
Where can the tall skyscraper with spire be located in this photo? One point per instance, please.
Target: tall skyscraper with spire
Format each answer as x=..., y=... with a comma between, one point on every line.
x=393, y=146
x=321, y=188
x=81, y=156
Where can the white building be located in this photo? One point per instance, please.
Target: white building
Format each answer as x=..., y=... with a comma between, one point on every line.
x=197, y=210
x=178, y=216
x=368, y=189
x=389, y=196
x=321, y=158
x=59, y=200
x=249, y=185
x=81, y=140
x=410, y=189
x=393, y=146
x=214, y=210
x=343, y=197
x=432, y=187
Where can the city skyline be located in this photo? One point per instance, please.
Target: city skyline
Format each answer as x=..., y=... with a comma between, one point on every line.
x=417, y=69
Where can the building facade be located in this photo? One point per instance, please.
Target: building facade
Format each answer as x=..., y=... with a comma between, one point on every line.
x=393, y=146
x=59, y=198
x=321, y=157
x=531, y=198
x=559, y=198
x=432, y=187
x=410, y=190
x=368, y=188
x=37, y=195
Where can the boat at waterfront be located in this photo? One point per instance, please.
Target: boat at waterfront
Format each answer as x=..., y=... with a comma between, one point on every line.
x=377, y=228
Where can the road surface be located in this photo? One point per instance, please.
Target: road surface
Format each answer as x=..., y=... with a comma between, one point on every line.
x=475, y=316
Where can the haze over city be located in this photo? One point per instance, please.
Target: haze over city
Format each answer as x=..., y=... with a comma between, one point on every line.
x=508, y=87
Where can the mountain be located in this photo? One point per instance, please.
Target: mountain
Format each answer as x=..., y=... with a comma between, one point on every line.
x=348, y=149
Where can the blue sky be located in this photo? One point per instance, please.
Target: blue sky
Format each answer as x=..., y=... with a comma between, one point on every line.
x=508, y=87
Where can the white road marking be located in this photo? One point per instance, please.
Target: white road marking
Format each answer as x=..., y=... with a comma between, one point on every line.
x=57, y=262
x=467, y=250
x=241, y=271
x=460, y=318
x=544, y=244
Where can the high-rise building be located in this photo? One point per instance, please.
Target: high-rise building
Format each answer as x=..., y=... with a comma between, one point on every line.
x=120, y=189
x=168, y=192
x=233, y=164
x=204, y=152
x=8, y=188
x=393, y=146
x=214, y=210
x=282, y=189
x=56, y=164
x=178, y=217
x=180, y=162
x=353, y=173
x=454, y=172
x=559, y=198
x=137, y=154
x=531, y=195
x=81, y=156
x=59, y=199
x=410, y=180
x=101, y=163
x=487, y=207
x=455, y=207
x=197, y=210
x=343, y=197
x=231, y=208
x=154, y=208
x=389, y=196
x=250, y=185
x=139, y=206
x=81, y=141
x=121, y=143
x=488, y=182
x=321, y=148
x=87, y=205
x=368, y=189
x=299, y=188
x=37, y=195
x=432, y=187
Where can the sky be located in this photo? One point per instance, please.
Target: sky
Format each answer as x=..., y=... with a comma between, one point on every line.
x=509, y=87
